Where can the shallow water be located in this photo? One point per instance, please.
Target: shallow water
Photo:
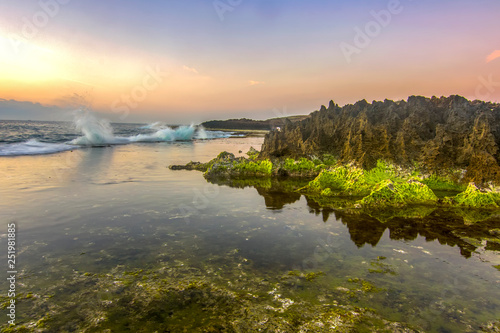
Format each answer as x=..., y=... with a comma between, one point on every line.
x=110, y=238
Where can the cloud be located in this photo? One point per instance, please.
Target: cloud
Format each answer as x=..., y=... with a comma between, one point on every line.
x=20, y=110
x=253, y=83
x=493, y=56
x=190, y=69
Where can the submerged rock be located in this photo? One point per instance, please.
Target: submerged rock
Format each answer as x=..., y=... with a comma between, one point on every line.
x=190, y=166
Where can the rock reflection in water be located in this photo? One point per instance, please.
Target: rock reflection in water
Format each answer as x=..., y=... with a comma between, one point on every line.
x=452, y=227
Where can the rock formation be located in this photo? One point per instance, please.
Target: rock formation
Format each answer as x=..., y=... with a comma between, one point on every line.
x=441, y=135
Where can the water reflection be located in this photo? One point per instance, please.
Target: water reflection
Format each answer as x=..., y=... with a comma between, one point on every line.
x=469, y=230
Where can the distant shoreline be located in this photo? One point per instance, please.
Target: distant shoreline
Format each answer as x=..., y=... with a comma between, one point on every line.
x=245, y=124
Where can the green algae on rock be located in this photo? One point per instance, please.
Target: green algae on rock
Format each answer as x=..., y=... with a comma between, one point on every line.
x=388, y=193
x=160, y=299
x=349, y=186
x=438, y=183
x=341, y=180
x=380, y=186
x=227, y=165
x=475, y=197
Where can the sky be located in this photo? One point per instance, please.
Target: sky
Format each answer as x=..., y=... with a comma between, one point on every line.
x=187, y=61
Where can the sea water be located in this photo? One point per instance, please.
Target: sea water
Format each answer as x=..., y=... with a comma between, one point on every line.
x=110, y=238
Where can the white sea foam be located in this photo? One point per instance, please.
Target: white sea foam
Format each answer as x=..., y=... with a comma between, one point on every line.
x=33, y=147
x=99, y=132
x=96, y=131
x=181, y=133
x=202, y=134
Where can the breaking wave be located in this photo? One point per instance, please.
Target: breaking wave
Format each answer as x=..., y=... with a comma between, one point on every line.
x=34, y=147
x=99, y=132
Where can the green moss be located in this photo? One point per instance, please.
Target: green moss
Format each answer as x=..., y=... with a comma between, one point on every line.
x=225, y=164
x=16, y=328
x=380, y=267
x=475, y=198
x=313, y=275
x=328, y=160
x=438, y=183
x=363, y=286
x=351, y=180
x=195, y=285
x=388, y=193
x=264, y=167
x=327, y=192
x=301, y=165
x=381, y=172
x=341, y=180
x=253, y=153
x=42, y=322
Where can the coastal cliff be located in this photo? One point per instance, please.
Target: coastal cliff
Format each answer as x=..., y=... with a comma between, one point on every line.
x=440, y=135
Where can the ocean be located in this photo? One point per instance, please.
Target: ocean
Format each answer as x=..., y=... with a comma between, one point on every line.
x=108, y=239
x=38, y=137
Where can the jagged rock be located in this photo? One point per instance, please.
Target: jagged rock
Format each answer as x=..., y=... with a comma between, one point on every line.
x=252, y=152
x=439, y=134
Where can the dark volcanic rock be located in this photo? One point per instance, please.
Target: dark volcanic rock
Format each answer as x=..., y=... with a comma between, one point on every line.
x=439, y=134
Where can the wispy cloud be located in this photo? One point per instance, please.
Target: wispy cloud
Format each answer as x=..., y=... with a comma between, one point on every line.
x=495, y=54
x=253, y=83
x=190, y=69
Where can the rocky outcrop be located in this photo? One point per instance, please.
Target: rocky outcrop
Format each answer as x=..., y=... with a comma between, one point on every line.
x=438, y=134
x=226, y=165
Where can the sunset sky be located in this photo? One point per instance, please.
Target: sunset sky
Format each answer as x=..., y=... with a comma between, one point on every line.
x=186, y=61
